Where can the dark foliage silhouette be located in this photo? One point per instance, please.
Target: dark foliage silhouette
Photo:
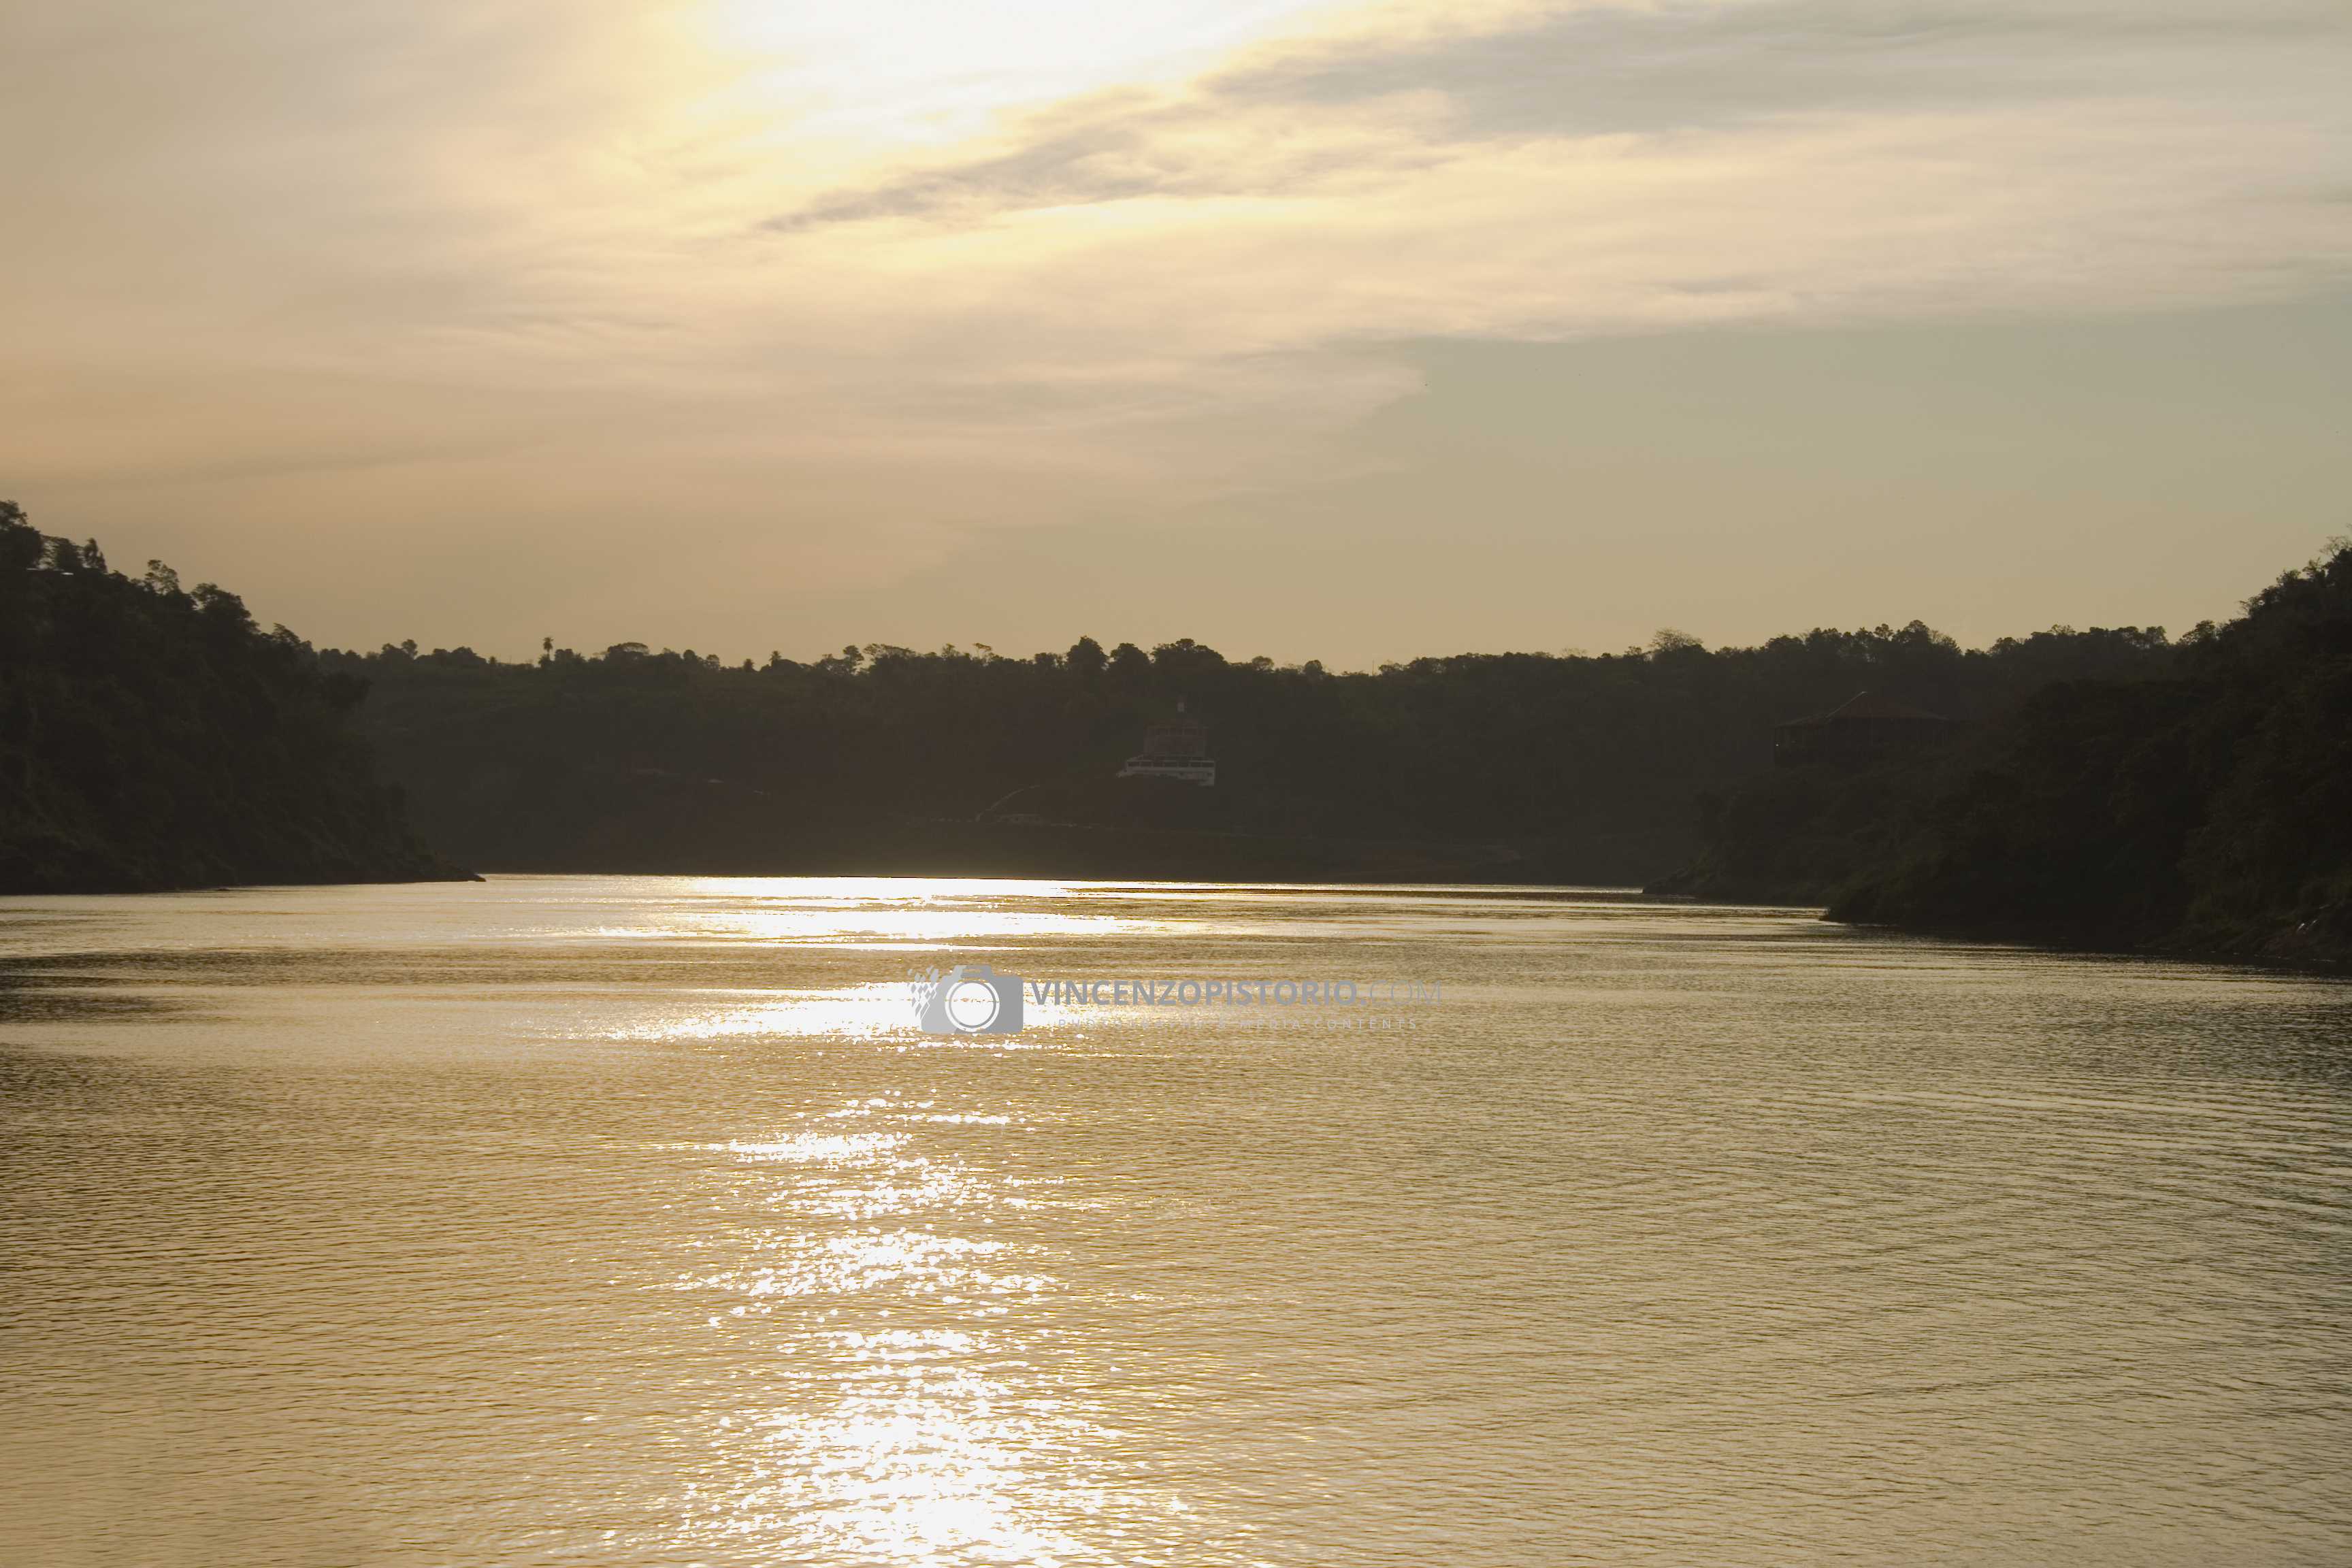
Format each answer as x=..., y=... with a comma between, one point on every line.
x=1562, y=768
x=2211, y=811
x=2108, y=786
x=154, y=737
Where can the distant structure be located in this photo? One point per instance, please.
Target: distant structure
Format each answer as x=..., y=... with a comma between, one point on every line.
x=1863, y=729
x=1032, y=805
x=1177, y=750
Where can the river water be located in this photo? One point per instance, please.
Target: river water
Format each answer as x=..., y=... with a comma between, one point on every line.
x=635, y=1221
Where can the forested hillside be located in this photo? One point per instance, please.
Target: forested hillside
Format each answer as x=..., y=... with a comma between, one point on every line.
x=2112, y=788
x=2212, y=811
x=1586, y=768
x=152, y=737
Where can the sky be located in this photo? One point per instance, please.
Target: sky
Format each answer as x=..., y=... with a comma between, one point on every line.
x=1341, y=331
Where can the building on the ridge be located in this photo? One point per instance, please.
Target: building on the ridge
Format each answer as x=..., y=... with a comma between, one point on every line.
x=1177, y=750
x=1863, y=729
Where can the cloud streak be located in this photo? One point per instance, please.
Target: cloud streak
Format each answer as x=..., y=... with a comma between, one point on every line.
x=534, y=274
x=1304, y=117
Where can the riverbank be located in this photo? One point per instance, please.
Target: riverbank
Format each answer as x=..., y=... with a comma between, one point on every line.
x=2312, y=947
x=937, y=847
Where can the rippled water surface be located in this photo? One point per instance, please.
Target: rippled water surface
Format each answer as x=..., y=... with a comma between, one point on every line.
x=633, y=1222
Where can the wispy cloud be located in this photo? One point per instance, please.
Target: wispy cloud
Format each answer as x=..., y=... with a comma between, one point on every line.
x=1311, y=116
x=555, y=269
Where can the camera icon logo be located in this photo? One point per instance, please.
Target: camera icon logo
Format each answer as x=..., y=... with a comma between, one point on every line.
x=969, y=999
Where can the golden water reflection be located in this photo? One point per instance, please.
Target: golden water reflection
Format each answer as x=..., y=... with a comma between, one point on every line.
x=918, y=912
x=911, y=1416
x=443, y=1224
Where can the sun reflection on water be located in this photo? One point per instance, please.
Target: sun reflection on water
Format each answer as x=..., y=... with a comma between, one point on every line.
x=922, y=1456
x=859, y=1012
x=909, y=1412
x=856, y=911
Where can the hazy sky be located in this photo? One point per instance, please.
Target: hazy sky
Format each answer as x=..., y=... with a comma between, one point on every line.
x=1349, y=331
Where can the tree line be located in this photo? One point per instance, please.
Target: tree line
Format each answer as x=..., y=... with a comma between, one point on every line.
x=2209, y=811
x=1592, y=768
x=2112, y=786
x=152, y=736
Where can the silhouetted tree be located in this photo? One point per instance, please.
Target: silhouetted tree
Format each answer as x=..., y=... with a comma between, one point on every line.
x=1594, y=765
x=2212, y=810
x=152, y=738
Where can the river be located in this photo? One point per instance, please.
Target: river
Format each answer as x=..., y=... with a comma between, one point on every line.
x=636, y=1221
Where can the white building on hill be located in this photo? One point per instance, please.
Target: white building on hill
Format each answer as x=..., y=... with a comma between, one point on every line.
x=1177, y=750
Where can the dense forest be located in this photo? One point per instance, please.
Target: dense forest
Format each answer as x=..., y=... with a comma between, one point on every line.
x=2112, y=788
x=154, y=737
x=2210, y=811
x=1528, y=767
